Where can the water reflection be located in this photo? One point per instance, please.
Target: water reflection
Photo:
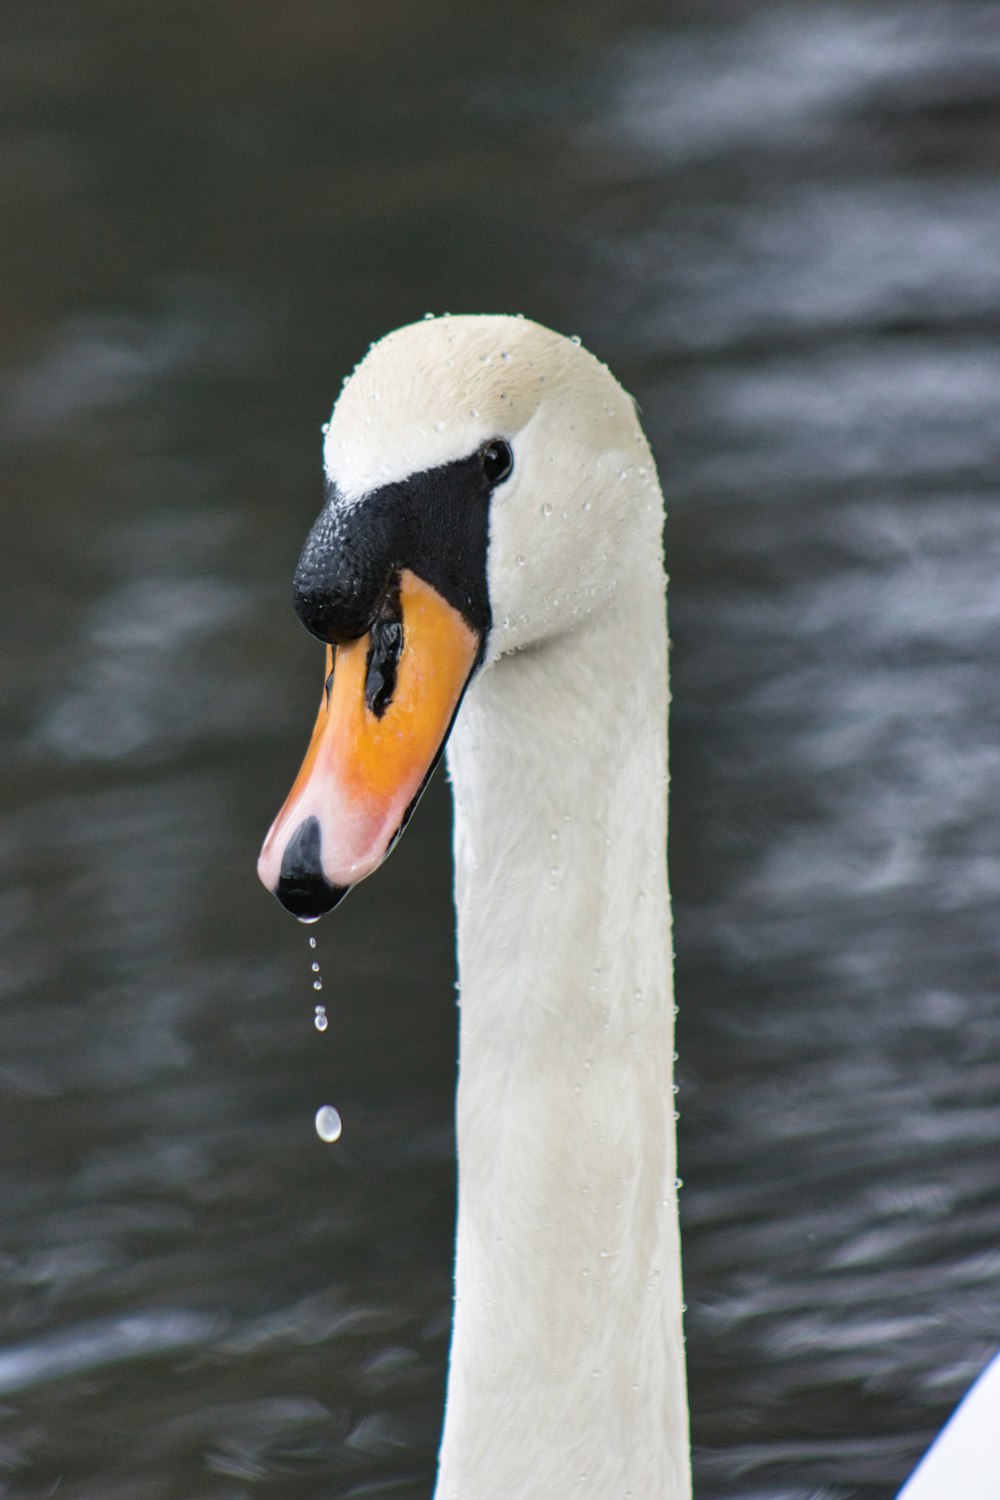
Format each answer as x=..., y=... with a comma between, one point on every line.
x=778, y=224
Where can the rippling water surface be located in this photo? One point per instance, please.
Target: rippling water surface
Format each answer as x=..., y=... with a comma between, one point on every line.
x=779, y=224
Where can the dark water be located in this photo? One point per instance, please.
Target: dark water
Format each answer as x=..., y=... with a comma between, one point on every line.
x=779, y=224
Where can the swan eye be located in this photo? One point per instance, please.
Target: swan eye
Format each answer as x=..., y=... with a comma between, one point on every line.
x=498, y=460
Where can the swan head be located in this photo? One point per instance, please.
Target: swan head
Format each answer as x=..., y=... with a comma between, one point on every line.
x=487, y=487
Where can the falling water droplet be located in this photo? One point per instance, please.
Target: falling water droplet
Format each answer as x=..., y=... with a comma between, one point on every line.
x=312, y=942
x=320, y=1019
x=317, y=984
x=315, y=966
x=329, y=1125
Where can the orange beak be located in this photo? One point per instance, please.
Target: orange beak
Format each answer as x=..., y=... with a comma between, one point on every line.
x=373, y=747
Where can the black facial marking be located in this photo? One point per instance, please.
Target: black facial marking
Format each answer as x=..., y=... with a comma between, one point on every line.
x=384, y=652
x=435, y=523
x=303, y=889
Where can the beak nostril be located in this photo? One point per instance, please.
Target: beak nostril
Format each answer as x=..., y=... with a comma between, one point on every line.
x=384, y=652
x=302, y=887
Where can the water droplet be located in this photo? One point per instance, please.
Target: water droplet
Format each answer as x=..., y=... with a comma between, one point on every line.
x=428, y=317
x=486, y=359
x=677, y=1114
x=546, y=511
x=312, y=942
x=575, y=338
x=317, y=984
x=440, y=426
x=519, y=559
x=474, y=412
x=325, y=428
x=308, y=921
x=678, y=1183
x=320, y=1018
x=675, y=1088
x=504, y=355
x=623, y=473
x=586, y=505
x=329, y=1126
x=315, y=966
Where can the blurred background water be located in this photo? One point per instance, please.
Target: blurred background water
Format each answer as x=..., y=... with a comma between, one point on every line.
x=779, y=224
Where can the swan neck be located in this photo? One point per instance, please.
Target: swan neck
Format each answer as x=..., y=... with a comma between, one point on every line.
x=567, y=1369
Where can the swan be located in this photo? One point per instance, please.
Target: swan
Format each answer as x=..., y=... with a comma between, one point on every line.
x=487, y=572
x=491, y=537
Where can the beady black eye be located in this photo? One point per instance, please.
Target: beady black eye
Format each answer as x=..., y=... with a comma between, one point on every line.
x=498, y=460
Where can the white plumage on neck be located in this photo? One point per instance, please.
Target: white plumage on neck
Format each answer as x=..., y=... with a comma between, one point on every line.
x=567, y=1368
